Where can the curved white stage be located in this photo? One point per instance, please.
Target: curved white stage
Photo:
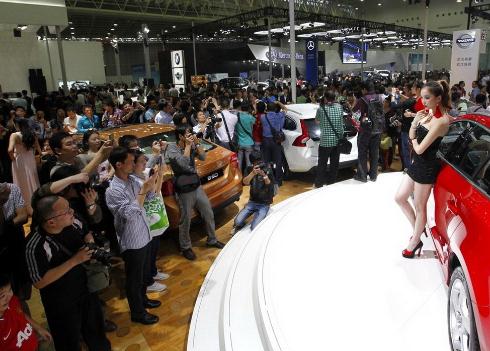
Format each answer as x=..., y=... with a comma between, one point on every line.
x=324, y=271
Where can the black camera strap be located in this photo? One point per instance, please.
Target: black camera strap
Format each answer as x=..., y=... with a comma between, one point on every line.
x=241, y=125
x=330, y=122
x=226, y=127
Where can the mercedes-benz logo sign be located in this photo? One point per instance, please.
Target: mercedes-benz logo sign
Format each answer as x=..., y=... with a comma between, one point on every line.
x=310, y=45
x=178, y=75
x=177, y=58
x=465, y=41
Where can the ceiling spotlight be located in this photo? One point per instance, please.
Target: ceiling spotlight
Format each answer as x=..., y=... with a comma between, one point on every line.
x=379, y=4
x=166, y=30
x=72, y=28
x=173, y=27
x=22, y=26
x=146, y=30
x=112, y=28
x=115, y=24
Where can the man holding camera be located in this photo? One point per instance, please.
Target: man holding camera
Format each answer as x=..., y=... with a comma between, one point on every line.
x=55, y=252
x=261, y=181
x=190, y=194
x=227, y=129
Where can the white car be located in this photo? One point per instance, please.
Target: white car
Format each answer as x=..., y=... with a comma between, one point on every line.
x=303, y=138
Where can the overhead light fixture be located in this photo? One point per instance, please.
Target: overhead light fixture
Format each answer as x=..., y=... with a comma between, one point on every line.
x=146, y=30
x=22, y=26
x=112, y=28
x=379, y=4
x=115, y=24
x=173, y=27
x=72, y=28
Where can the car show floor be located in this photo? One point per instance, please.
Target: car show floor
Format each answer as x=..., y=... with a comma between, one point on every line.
x=326, y=282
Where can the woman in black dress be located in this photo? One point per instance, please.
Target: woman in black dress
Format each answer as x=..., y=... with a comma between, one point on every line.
x=426, y=132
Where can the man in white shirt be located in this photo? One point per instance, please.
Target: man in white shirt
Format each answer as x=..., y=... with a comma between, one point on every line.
x=173, y=91
x=230, y=119
x=164, y=116
x=70, y=123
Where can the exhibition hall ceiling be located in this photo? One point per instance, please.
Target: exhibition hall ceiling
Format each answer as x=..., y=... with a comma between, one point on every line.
x=116, y=19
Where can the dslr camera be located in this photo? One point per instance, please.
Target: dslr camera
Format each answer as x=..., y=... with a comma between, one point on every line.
x=100, y=254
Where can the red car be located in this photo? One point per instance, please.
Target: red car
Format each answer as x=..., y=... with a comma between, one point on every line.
x=462, y=230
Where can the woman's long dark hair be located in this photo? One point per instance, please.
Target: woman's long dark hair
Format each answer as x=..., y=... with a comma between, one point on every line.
x=28, y=135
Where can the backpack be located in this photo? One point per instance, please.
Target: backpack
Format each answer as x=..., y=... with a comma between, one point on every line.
x=375, y=122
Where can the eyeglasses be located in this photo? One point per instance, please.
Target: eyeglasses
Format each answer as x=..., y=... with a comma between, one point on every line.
x=68, y=211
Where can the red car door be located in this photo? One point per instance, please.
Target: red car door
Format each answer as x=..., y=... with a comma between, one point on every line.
x=462, y=196
x=445, y=190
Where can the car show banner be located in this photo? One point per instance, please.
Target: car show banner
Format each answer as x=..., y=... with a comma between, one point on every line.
x=312, y=62
x=465, y=56
x=178, y=68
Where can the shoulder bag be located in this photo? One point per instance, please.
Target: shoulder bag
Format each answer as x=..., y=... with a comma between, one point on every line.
x=277, y=135
x=97, y=273
x=344, y=145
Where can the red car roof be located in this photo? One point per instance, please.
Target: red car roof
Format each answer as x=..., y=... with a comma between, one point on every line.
x=484, y=120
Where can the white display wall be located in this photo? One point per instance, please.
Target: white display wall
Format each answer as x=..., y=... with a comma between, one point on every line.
x=83, y=60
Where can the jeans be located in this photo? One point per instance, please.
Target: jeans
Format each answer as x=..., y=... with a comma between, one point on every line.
x=258, y=210
x=368, y=145
x=137, y=266
x=244, y=153
x=405, y=150
x=324, y=153
x=272, y=152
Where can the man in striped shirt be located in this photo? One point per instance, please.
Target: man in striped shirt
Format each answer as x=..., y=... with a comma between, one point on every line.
x=330, y=118
x=125, y=198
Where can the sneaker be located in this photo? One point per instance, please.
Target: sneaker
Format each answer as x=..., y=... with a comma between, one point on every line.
x=161, y=276
x=156, y=287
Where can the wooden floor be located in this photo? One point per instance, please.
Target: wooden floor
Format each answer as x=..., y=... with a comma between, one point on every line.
x=186, y=277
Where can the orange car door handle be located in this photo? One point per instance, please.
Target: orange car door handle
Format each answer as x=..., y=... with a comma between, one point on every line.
x=451, y=204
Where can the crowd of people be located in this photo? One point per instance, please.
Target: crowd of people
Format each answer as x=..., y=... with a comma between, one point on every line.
x=86, y=197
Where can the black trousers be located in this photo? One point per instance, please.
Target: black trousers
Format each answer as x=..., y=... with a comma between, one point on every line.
x=368, y=147
x=137, y=264
x=272, y=152
x=324, y=154
x=153, y=248
x=67, y=321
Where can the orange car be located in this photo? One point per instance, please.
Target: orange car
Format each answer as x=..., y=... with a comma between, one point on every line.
x=221, y=178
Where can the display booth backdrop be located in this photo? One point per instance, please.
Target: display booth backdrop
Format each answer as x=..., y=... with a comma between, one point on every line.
x=83, y=60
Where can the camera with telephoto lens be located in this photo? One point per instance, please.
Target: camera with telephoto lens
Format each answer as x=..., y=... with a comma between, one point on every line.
x=100, y=254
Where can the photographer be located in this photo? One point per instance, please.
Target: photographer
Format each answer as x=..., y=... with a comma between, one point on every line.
x=190, y=194
x=70, y=309
x=261, y=181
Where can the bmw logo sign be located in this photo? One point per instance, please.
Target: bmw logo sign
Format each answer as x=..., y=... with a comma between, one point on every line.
x=178, y=75
x=465, y=41
x=177, y=58
x=310, y=45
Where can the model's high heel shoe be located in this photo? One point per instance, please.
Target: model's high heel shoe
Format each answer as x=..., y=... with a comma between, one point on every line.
x=425, y=232
x=411, y=254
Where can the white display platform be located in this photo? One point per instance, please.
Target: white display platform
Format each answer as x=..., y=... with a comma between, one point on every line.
x=324, y=271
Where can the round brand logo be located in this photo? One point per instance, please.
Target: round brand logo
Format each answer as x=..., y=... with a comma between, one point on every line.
x=177, y=58
x=465, y=41
x=310, y=45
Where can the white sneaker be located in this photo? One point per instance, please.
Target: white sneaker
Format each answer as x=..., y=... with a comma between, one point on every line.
x=156, y=287
x=161, y=276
